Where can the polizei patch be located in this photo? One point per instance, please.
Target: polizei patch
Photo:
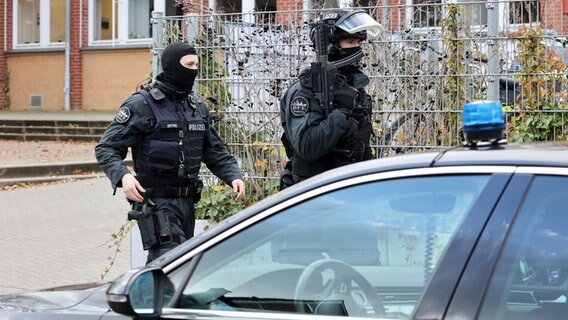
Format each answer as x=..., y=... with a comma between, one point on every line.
x=123, y=115
x=299, y=106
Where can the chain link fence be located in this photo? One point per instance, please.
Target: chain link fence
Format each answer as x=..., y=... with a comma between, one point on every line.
x=432, y=58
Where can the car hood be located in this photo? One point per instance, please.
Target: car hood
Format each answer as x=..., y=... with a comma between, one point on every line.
x=86, y=297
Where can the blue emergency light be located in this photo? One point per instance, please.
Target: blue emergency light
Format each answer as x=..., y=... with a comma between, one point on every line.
x=483, y=121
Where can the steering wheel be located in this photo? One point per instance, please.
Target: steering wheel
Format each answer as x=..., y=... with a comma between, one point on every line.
x=339, y=288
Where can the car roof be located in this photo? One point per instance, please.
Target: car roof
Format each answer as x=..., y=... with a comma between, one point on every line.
x=541, y=154
x=550, y=154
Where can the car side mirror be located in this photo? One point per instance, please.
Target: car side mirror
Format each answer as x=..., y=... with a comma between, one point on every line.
x=138, y=293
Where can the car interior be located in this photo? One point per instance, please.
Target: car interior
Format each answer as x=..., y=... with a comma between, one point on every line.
x=538, y=287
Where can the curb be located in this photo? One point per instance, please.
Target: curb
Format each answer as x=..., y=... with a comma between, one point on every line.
x=32, y=180
x=48, y=169
x=50, y=172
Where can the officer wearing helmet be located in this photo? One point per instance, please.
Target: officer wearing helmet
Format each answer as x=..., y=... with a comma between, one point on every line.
x=319, y=137
x=169, y=132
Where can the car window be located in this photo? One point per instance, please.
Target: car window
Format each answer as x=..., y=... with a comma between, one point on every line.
x=531, y=278
x=365, y=250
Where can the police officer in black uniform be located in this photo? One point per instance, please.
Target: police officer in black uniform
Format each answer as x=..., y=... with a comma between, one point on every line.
x=169, y=131
x=318, y=138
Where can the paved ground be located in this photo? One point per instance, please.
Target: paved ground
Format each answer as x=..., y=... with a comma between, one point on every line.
x=35, y=152
x=58, y=234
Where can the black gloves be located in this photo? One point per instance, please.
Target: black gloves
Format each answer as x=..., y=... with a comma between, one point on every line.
x=361, y=113
x=345, y=97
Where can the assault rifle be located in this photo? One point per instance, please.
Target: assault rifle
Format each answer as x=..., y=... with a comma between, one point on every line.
x=323, y=72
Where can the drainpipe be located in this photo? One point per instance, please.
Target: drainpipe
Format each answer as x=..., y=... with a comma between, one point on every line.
x=158, y=41
x=67, y=77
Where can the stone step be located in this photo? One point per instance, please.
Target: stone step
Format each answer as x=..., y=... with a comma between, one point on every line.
x=53, y=130
x=48, y=137
x=55, y=123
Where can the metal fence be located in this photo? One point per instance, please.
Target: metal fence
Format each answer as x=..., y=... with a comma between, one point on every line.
x=430, y=60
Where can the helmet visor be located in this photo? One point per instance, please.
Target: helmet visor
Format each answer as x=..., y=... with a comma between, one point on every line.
x=358, y=21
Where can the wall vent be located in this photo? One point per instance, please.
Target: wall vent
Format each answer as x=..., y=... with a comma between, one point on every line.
x=36, y=101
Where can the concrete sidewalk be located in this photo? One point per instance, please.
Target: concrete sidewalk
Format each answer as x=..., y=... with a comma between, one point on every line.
x=58, y=234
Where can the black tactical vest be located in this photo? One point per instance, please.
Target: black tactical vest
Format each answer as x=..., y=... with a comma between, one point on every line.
x=171, y=154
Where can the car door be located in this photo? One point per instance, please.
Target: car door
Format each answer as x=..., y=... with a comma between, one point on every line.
x=519, y=269
x=369, y=246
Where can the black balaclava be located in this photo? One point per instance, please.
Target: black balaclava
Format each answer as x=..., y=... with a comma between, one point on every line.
x=173, y=72
x=351, y=55
x=337, y=53
x=352, y=71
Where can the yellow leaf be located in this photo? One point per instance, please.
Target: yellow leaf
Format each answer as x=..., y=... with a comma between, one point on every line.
x=218, y=188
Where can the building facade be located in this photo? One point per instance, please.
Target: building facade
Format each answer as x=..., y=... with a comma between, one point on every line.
x=101, y=54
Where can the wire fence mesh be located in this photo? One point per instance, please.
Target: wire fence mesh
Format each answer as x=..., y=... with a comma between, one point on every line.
x=432, y=58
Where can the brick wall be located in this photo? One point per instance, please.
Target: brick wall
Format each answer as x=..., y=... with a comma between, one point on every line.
x=79, y=13
x=552, y=14
x=396, y=15
x=289, y=12
x=28, y=77
x=110, y=76
x=4, y=75
x=194, y=6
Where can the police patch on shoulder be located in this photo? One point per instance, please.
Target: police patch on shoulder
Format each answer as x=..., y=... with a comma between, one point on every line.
x=299, y=106
x=123, y=115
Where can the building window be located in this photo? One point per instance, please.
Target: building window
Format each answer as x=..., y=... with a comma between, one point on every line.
x=230, y=10
x=106, y=19
x=370, y=6
x=57, y=21
x=427, y=13
x=123, y=22
x=475, y=13
x=139, y=13
x=524, y=12
x=28, y=21
x=266, y=10
x=39, y=23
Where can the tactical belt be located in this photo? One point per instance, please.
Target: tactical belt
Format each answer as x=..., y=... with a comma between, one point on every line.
x=171, y=192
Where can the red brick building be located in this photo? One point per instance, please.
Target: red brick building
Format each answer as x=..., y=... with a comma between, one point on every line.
x=109, y=56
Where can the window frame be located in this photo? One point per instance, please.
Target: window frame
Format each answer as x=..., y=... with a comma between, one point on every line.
x=504, y=23
x=122, y=25
x=44, y=28
x=409, y=14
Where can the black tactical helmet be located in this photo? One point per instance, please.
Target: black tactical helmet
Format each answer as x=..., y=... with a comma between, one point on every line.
x=339, y=33
x=350, y=24
x=338, y=24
